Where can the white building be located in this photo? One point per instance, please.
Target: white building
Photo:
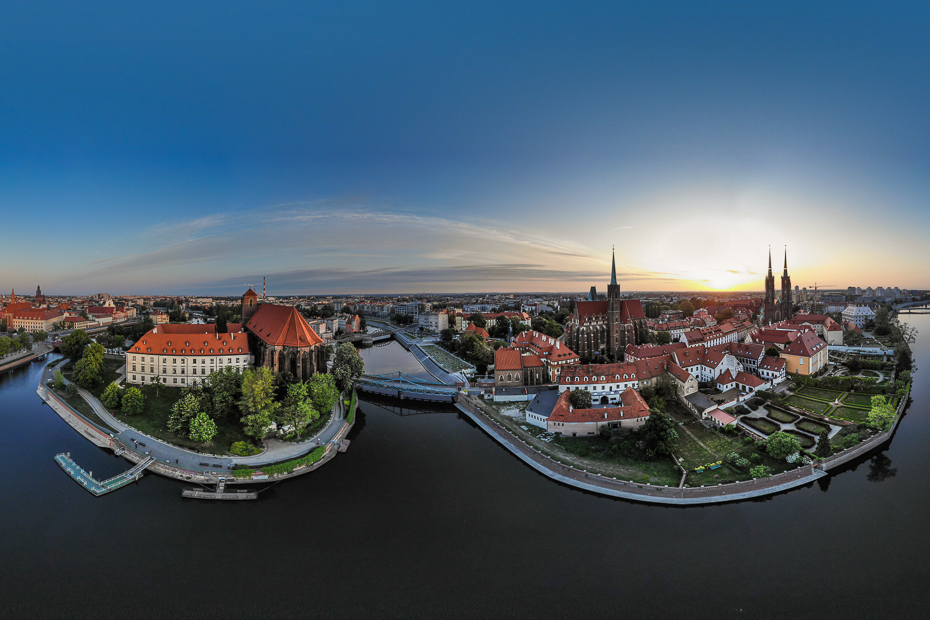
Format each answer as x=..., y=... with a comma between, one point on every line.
x=858, y=315
x=433, y=321
x=183, y=359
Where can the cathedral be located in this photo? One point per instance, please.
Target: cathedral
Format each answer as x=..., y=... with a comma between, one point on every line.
x=606, y=327
x=781, y=309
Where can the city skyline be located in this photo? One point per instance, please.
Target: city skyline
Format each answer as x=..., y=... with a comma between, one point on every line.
x=168, y=149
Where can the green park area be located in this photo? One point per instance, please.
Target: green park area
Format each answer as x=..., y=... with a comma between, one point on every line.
x=450, y=363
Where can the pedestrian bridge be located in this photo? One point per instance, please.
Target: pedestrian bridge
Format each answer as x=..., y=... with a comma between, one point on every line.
x=402, y=385
x=98, y=488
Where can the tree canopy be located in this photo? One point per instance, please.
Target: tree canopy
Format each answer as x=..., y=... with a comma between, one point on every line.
x=348, y=366
x=882, y=412
x=658, y=434
x=780, y=445
x=133, y=401
x=257, y=401
x=88, y=370
x=202, y=428
x=73, y=344
x=580, y=399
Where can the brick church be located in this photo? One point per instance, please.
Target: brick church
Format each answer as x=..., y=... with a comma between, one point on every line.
x=782, y=309
x=281, y=339
x=606, y=327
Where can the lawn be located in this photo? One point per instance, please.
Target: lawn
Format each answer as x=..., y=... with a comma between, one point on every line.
x=814, y=406
x=658, y=471
x=850, y=413
x=154, y=421
x=828, y=395
x=766, y=427
x=81, y=406
x=812, y=427
x=781, y=416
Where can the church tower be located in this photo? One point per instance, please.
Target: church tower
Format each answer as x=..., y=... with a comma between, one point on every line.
x=249, y=305
x=768, y=305
x=615, y=343
x=787, y=303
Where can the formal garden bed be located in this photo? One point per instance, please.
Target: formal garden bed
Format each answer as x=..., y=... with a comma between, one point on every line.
x=807, y=442
x=812, y=427
x=781, y=416
x=814, y=406
x=766, y=427
x=858, y=400
x=820, y=394
x=851, y=414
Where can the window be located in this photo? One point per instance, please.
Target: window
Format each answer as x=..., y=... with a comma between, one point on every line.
x=133, y=377
x=175, y=380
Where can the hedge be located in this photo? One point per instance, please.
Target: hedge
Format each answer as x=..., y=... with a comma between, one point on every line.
x=283, y=468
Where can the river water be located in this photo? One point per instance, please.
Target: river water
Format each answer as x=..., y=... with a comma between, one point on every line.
x=425, y=515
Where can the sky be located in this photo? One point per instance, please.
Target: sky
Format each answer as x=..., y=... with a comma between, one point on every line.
x=422, y=147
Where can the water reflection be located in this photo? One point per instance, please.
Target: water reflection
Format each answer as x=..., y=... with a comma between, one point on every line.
x=880, y=469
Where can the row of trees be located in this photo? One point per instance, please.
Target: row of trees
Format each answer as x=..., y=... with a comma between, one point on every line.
x=15, y=344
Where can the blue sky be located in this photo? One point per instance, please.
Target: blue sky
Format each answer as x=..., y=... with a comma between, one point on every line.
x=177, y=147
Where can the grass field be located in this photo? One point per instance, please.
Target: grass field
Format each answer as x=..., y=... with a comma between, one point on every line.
x=812, y=427
x=782, y=416
x=154, y=421
x=810, y=405
x=828, y=395
x=766, y=427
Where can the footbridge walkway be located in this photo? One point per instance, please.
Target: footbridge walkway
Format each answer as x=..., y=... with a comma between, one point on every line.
x=402, y=385
x=98, y=488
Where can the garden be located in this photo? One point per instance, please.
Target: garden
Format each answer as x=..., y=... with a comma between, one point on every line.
x=446, y=360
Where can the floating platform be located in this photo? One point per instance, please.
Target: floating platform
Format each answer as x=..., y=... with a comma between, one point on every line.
x=98, y=488
x=238, y=494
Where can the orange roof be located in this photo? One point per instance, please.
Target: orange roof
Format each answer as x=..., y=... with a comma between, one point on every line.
x=632, y=407
x=479, y=331
x=507, y=359
x=157, y=343
x=184, y=328
x=282, y=326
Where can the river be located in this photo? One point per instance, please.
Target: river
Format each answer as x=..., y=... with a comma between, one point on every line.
x=424, y=515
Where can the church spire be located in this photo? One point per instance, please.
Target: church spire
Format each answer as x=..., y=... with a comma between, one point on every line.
x=770, y=260
x=786, y=260
x=613, y=267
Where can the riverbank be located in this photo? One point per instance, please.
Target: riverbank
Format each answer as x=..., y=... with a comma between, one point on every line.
x=717, y=494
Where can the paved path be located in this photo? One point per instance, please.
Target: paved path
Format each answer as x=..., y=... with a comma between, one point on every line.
x=163, y=452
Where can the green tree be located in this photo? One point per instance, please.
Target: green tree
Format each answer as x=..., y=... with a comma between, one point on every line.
x=760, y=471
x=225, y=390
x=478, y=319
x=133, y=401
x=853, y=338
x=157, y=383
x=823, y=449
x=658, y=434
x=59, y=380
x=119, y=341
x=663, y=337
x=221, y=325
x=202, y=427
x=881, y=414
x=71, y=390
x=322, y=392
x=773, y=352
x=39, y=336
x=88, y=370
x=580, y=399
x=257, y=402
x=25, y=341
x=111, y=396
x=780, y=444
x=297, y=410
x=182, y=412
x=73, y=344
x=446, y=336
x=348, y=366
x=4, y=345
x=687, y=307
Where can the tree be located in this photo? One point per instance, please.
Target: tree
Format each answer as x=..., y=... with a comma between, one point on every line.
x=203, y=428
x=119, y=341
x=446, y=336
x=773, y=352
x=663, y=337
x=297, y=410
x=881, y=414
x=133, y=401
x=478, y=319
x=182, y=412
x=658, y=434
x=686, y=307
x=39, y=336
x=348, y=366
x=322, y=392
x=760, y=471
x=73, y=344
x=780, y=444
x=580, y=399
x=88, y=370
x=854, y=364
x=71, y=390
x=25, y=341
x=157, y=383
x=538, y=323
x=823, y=448
x=4, y=345
x=225, y=391
x=853, y=338
x=59, y=380
x=111, y=396
x=257, y=402
x=221, y=325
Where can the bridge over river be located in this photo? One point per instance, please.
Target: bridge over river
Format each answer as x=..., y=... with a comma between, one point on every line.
x=402, y=385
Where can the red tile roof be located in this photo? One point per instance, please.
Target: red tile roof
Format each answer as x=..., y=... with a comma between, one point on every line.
x=507, y=359
x=157, y=343
x=591, y=308
x=722, y=416
x=744, y=378
x=806, y=345
x=282, y=326
x=632, y=407
x=772, y=364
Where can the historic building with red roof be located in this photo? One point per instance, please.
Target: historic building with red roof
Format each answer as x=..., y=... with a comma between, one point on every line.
x=553, y=353
x=632, y=412
x=183, y=359
x=513, y=369
x=282, y=340
x=606, y=327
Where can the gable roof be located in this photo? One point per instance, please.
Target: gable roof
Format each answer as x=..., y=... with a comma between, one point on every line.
x=160, y=343
x=591, y=308
x=632, y=407
x=806, y=345
x=507, y=359
x=282, y=326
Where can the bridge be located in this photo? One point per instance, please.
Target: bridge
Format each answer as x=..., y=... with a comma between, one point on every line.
x=366, y=339
x=98, y=488
x=913, y=307
x=402, y=385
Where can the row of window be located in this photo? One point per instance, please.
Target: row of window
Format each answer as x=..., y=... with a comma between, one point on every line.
x=174, y=360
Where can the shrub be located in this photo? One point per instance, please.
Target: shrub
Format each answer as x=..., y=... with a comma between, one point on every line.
x=732, y=457
x=741, y=463
x=242, y=448
x=742, y=409
x=756, y=457
x=760, y=471
x=71, y=390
